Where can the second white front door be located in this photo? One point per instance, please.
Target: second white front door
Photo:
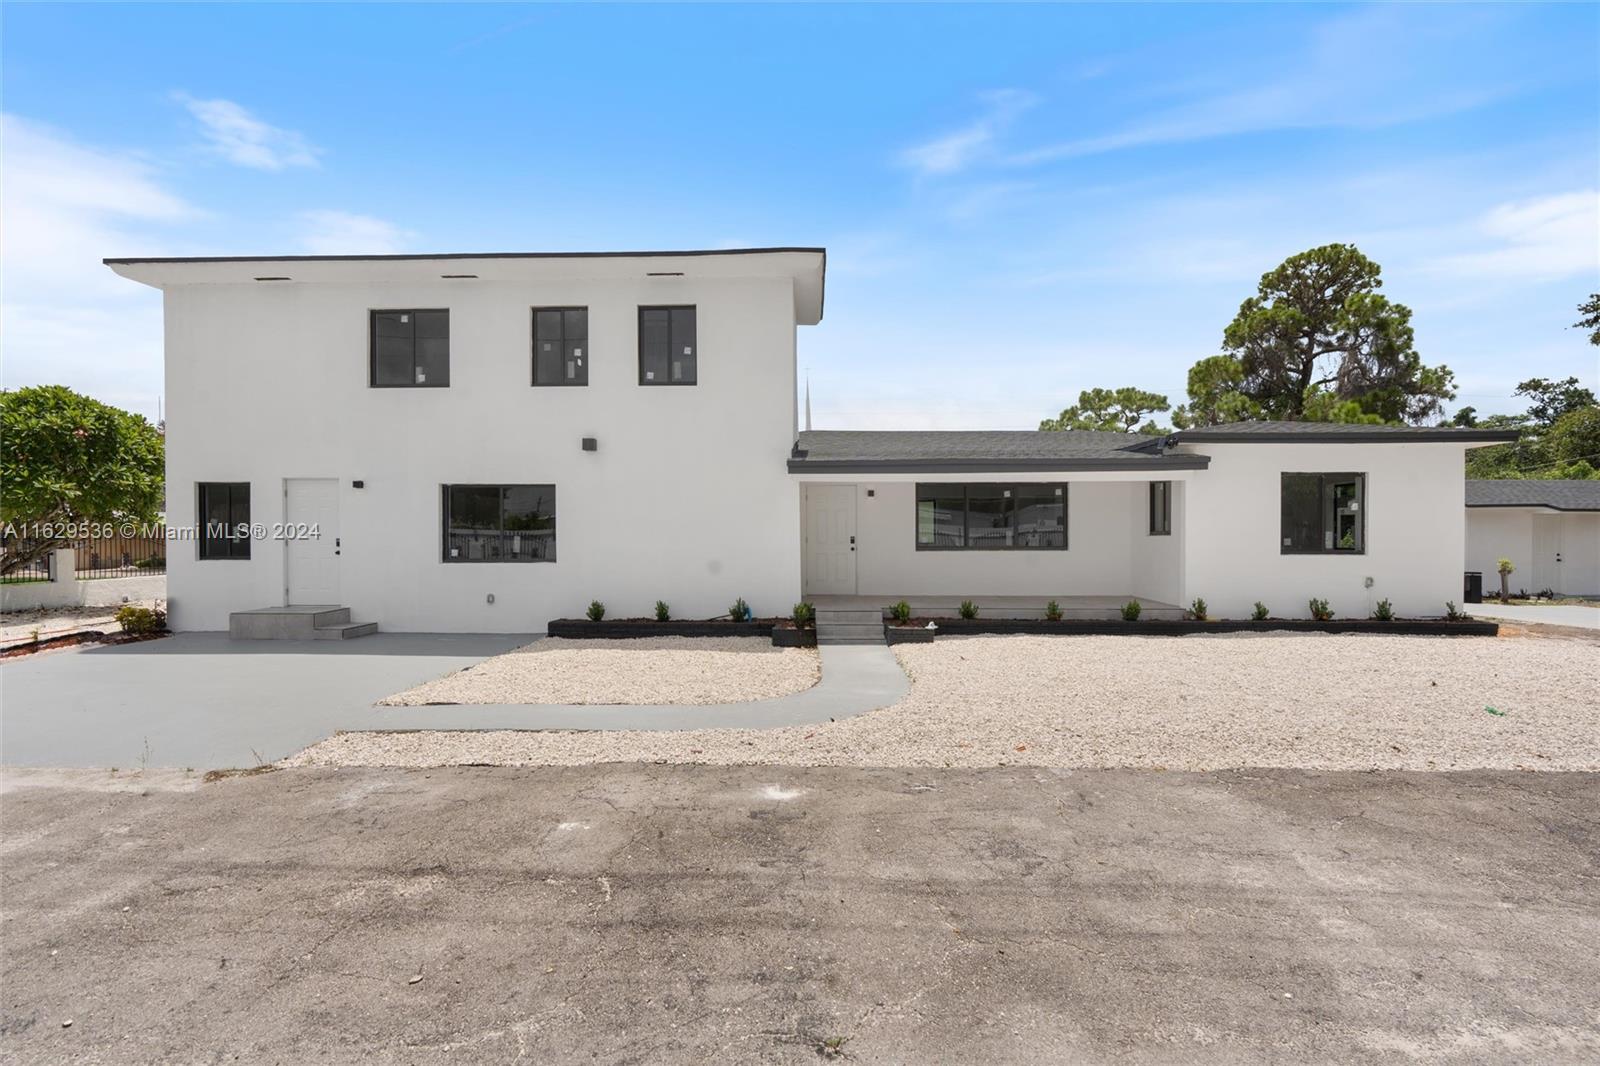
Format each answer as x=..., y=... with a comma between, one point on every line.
x=1546, y=553
x=831, y=539
x=312, y=545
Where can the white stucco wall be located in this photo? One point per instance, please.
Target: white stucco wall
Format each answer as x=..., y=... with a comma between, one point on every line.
x=1494, y=533
x=1106, y=530
x=687, y=498
x=1156, y=562
x=1415, y=533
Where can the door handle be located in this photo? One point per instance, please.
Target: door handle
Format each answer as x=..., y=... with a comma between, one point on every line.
x=336, y=543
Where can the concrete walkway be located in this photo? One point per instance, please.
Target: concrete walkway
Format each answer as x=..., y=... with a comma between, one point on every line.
x=1549, y=615
x=202, y=701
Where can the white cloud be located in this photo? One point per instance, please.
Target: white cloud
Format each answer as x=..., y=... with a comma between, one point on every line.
x=1541, y=239
x=343, y=233
x=960, y=148
x=66, y=318
x=244, y=140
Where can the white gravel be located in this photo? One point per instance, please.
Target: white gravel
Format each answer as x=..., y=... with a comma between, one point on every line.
x=1180, y=703
x=648, y=670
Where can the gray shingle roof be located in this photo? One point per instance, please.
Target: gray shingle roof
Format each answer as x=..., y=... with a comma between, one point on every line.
x=933, y=451
x=1337, y=432
x=1558, y=495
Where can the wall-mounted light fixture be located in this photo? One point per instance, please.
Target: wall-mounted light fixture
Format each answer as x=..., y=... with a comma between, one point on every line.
x=358, y=484
x=590, y=444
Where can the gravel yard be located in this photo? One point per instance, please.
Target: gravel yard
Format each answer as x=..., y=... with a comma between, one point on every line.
x=56, y=621
x=648, y=670
x=1180, y=703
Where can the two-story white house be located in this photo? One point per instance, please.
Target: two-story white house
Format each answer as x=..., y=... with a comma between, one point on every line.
x=483, y=443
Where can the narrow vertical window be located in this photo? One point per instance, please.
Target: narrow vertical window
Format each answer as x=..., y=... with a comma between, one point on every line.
x=223, y=509
x=668, y=346
x=1160, y=508
x=561, y=346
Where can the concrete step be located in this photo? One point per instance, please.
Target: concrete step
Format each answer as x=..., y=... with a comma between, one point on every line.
x=856, y=615
x=285, y=623
x=850, y=629
x=346, y=630
x=824, y=639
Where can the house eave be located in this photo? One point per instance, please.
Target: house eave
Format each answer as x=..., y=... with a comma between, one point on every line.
x=1391, y=436
x=997, y=467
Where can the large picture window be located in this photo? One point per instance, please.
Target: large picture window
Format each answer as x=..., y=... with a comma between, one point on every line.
x=410, y=349
x=560, y=344
x=224, y=510
x=1324, y=514
x=1160, y=508
x=668, y=350
x=499, y=523
x=988, y=517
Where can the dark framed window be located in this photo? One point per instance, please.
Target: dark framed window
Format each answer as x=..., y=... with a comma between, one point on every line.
x=668, y=351
x=1324, y=514
x=560, y=345
x=499, y=523
x=410, y=349
x=224, y=511
x=991, y=517
x=1160, y=508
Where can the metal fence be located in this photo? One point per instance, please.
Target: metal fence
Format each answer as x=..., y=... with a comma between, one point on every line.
x=96, y=558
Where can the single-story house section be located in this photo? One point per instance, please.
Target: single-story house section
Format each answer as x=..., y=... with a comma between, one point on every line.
x=484, y=443
x=1550, y=530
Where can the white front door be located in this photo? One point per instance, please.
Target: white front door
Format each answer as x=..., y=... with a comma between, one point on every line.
x=311, y=547
x=1546, y=553
x=831, y=539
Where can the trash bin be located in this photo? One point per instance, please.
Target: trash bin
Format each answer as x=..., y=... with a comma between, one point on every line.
x=1474, y=587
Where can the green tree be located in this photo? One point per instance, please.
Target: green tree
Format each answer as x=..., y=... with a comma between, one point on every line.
x=67, y=458
x=1590, y=310
x=1548, y=401
x=1111, y=410
x=1574, y=440
x=1560, y=435
x=1317, y=323
x=1214, y=395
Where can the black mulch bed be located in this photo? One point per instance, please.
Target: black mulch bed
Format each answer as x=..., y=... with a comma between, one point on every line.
x=625, y=628
x=1404, y=627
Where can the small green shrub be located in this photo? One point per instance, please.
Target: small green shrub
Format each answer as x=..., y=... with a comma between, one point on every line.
x=1052, y=611
x=141, y=620
x=1383, y=612
x=1259, y=612
x=1452, y=613
x=1320, y=610
x=901, y=612
x=1130, y=611
x=155, y=562
x=804, y=615
x=1198, y=609
x=968, y=609
x=596, y=611
x=740, y=611
x=663, y=612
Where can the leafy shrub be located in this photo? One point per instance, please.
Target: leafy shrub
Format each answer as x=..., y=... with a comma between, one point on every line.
x=1504, y=566
x=596, y=611
x=901, y=612
x=804, y=615
x=1198, y=609
x=663, y=612
x=1452, y=613
x=1259, y=612
x=1383, y=612
x=155, y=562
x=968, y=609
x=141, y=620
x=1320, y=610
x=1052, y=611
x=1130, y=611
x=1547, y=593
x=740, y=611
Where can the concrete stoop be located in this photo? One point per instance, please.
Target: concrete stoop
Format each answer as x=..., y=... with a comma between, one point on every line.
x=849, y=625
x=315, y=622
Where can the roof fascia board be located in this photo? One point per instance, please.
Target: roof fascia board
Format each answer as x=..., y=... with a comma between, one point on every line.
x=994, y=466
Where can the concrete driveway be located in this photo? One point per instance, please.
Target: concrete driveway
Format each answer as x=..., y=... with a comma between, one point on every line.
x=1549, y=615
x=637, y=913
x=201, y=700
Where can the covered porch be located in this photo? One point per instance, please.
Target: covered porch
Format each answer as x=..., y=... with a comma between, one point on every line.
x=946, y=606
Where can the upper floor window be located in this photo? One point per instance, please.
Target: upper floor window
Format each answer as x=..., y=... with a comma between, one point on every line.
x=1160, y=508
x=224, y=510
x=499, y=523
x=1324, y=513
x=982, y=516
x=560, y=340
x=667, y=347
x=410, y=349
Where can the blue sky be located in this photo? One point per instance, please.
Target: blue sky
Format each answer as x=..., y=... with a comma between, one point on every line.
x=1018, y=202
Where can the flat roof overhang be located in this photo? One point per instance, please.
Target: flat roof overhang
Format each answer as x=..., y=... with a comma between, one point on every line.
x=806, y=267
x=999, y=467
x=1410, y=435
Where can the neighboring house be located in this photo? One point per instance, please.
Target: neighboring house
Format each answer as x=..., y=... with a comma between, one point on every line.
x=1550, y=530
x=488, y=442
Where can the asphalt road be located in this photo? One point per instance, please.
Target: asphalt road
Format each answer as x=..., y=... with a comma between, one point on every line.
x=625, y=913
